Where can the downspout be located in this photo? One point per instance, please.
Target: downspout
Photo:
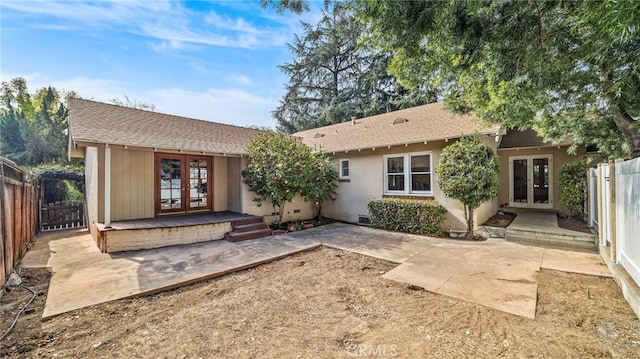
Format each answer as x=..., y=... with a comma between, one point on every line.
x=107, y=186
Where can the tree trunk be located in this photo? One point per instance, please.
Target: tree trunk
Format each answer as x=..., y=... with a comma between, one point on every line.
x=469, y=223
x=625, y=124
x=319, y=210
x=280, y=212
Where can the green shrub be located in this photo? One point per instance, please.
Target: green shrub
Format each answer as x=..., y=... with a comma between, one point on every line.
x=573, y=181
x=410, y=216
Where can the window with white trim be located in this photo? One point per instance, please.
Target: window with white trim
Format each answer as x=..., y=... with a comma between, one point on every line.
x=409, y=173
x=344, y=169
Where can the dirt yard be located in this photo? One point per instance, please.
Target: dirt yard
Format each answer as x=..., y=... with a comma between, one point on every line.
x=330, y=304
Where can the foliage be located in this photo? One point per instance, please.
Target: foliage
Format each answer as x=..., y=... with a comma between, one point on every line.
x=133, y=103
x=281, y=167
x=334, y=76
x=33, y=128
x=320, y=181
x=410, y=216
x=61, y=182
x=572, y=183
x=56, y=171
x=468, y=171
x=564, y=68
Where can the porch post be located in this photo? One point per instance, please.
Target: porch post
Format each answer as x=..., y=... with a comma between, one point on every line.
x=107, y=186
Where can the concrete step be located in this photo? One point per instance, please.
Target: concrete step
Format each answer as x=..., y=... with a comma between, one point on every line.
x=579, y=241
x=243, y=236
x=250, y=227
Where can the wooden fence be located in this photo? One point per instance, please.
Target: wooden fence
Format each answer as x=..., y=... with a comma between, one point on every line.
x=18, y=216
x=61, y=215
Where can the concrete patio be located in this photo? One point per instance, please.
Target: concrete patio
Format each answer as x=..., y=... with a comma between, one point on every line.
x=495, y=273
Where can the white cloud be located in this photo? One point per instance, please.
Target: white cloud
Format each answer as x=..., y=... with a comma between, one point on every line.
x=90, y=88
x=167, y=21
x=225, y=105
x=239, y=79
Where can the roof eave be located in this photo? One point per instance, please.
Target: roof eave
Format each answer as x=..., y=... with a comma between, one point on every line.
x=93, y=143
x=424, y=141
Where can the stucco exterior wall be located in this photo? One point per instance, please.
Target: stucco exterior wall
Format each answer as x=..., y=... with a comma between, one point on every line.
x=366, y=182
x=560, y=157
x=296, y=210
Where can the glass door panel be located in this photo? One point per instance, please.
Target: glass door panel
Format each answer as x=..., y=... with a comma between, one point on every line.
x=541, y=180
x=520, y=191
x=170, y=184
x=198, y=178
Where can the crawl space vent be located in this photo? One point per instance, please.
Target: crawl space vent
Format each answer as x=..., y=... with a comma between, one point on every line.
x=318, y=135
x=364, y=220
x=400, y=120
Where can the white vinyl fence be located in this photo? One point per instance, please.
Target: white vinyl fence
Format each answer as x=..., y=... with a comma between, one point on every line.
x=627, y=202
x=593, y=198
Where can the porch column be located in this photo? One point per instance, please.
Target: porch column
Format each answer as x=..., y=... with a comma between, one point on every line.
x=107, y=187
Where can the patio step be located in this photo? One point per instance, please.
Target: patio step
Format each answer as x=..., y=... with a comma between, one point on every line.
x=243, y=236
x=572, y=241
x=249, y=220
x=250, y=228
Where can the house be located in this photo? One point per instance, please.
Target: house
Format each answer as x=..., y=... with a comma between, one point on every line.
x=154, y=179
x=167, y=179
x=394, y=155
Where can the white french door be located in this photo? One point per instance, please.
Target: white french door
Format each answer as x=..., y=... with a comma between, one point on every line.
x=531, y=181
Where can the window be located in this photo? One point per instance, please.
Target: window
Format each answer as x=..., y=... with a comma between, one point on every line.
x=344, y=169
x=408, y=173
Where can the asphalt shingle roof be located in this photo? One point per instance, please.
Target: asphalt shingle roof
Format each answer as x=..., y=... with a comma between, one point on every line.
x=413, y=125
x=97, y=122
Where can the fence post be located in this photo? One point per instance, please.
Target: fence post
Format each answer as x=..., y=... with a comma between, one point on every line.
x=599, y=179
x=612, y=212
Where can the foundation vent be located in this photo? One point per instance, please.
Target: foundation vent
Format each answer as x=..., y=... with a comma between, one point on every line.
x=364, y=220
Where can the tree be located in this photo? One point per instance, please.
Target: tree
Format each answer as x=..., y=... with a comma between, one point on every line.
x=133, y=103
x=33, y=128
x=564, y=68
x=468, y=171
x=320, y=180
x=281, y=167
x=334, y=75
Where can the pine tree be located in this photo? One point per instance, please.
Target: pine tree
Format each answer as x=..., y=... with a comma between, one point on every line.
x=333, y=76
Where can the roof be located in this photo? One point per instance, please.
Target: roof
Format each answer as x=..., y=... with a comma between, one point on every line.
x=412, y=125
x=528, y=138
x=101, y=123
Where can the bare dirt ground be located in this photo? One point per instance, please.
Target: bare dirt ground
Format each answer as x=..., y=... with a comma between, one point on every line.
x=500, y=219
x=333, y=304
x=573, y=223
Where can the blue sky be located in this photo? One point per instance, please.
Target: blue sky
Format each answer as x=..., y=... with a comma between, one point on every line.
x=212, y=60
